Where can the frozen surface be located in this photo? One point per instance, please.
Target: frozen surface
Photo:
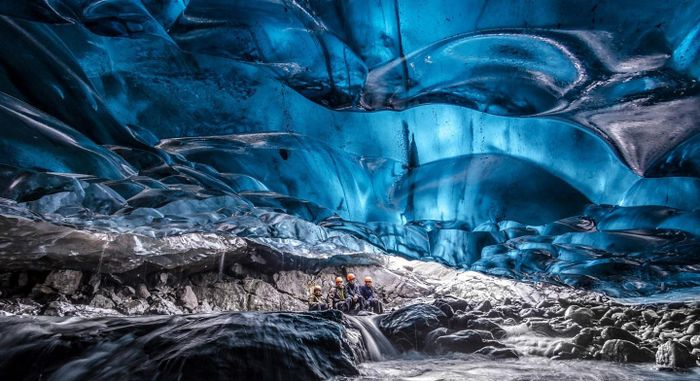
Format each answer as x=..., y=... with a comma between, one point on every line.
x=554, y=141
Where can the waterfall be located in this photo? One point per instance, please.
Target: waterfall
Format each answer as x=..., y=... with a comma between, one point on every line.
x=378, y=346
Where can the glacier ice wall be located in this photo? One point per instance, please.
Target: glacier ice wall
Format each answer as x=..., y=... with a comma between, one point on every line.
x=551, y=140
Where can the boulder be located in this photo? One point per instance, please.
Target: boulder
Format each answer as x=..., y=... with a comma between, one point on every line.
x=241, y=346
x=498, y=353
x=432, y=337
x=650, y=316
x=466, y=341
x=564, y=350
x=611, y=333
x=189, y=299
x=693, y=329
x=142, y=291
x=625, y=351
x=64, y=281
x=162, y=306
x=487, y=325
x=101, y=301
x=580, y=315
x=673, y=354
x=484, y=306
x=407, y=327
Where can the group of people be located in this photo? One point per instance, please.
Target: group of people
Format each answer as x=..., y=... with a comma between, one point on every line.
x=347, y=296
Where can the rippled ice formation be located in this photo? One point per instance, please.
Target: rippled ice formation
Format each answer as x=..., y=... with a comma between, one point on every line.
x=550, y=140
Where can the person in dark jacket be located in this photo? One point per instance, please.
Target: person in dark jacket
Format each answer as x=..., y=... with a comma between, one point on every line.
x=368, y=293
x=357, y=302
x=316, y=302
x=339, y=298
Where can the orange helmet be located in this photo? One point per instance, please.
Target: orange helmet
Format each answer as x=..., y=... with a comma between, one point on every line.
x=338, y=280
x=368, y=279
x=351, y=276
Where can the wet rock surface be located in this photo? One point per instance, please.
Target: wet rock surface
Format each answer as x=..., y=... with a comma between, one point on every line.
x=265, y=346
x=427, y=309
x=551, y=329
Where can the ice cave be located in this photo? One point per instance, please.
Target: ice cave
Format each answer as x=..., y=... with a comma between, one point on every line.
x=188, y=189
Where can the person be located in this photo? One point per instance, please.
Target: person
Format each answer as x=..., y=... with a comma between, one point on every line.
x=316, y=302
x=368, y=293
x=357, y=302
x=339, y=297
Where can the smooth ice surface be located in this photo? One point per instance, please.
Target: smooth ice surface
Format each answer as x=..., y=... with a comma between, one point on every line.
x=552, y=140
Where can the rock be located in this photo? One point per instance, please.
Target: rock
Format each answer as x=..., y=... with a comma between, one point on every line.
x=565, y=350
x=264, y=297
x=128, y=291
x=611, y=333
x=631, y=326
x=456, y=304
x=134, y=307
x=432, y=337
x=22, y=279
x=64, y=309
x=487, y=325
x=223, y=296
x=498, y=353
x=625, y=351
x=243, y=346
x=101, y=301
x=673, y=354
x=297, y=283
x=545, y=328
x=95, y=281
x=580, y=315
x=531, y=312
x=650, y=316
x=188, y=298
x=445, y=307
x=584, y=338
x=693, y=329
x=407, y=327
x=466, y=341
x=484, y=306
x=162, y=306
x=204, y=307
x=142, y=291
x=64, y=281
x=695, y=341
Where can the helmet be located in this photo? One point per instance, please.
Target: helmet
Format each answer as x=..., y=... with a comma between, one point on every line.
x=351, y=276
x=338, y=280
x=317, y=288
x=368, y=279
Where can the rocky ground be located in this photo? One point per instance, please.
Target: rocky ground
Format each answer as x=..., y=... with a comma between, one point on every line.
x=561, y=329
x=238, y=287
x=432, y=309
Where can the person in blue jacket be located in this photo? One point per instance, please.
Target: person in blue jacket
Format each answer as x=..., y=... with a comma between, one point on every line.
x=370, y=296
x=357, y=302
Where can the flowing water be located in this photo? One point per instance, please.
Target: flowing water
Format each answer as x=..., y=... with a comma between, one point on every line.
x=378, y=346
x=386, y=364
x=529, y=368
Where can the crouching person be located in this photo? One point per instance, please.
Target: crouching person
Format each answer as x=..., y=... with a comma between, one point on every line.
x=357, y=301
x=316, y=302
x=339, y=296
x=368, y=293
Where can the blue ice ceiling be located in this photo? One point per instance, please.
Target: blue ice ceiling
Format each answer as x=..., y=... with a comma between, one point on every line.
x=545, y=140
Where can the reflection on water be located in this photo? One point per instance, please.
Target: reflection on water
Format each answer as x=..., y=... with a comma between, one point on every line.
x=479, y=368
